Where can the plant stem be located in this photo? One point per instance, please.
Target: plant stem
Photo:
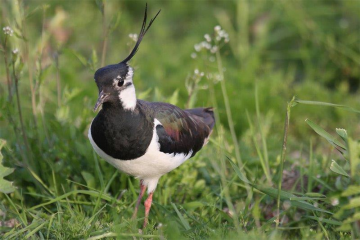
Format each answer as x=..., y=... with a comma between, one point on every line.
x=26, y=57
x=228, y=110
x=235, y=142
x=105, y=35
x=311, y=163
x=264, y=145
x=26, y=143
x=283, y=155
x=58, y=86
x=8, y=79
x=10, y=97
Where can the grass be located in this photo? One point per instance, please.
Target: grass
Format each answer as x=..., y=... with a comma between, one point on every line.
x=258, y=178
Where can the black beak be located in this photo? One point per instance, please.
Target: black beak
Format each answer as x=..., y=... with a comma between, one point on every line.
x=102, y=97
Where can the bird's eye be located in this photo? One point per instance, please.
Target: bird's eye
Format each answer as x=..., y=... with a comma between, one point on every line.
x=121, y=83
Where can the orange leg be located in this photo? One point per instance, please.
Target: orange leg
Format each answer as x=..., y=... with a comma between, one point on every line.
x=141, y=194
x=147, y=204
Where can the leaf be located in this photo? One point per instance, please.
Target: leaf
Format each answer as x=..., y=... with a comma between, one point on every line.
x=351, y=190
x=342, y=133
x=174, y=98
x=100, y=5
x=323, y=183
x=94, y=60
x=327, y=104
x=314, y=194
x=184, y=222
x=337, y=169
x=355, y=217
x=69, y=95
x=272, y=192
x=114, y=22
x=144, y=94
x=354, y=157
x=89, y=179
x=5, y=186
x=325, y=134
x=193, y=205
x=354, y=203
x=320, y=219
x=238, y=172
x=81, y=58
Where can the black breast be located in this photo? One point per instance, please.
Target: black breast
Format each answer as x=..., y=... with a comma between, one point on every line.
x=123, y=135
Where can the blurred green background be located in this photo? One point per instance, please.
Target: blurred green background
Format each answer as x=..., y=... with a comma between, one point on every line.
x=276, y=50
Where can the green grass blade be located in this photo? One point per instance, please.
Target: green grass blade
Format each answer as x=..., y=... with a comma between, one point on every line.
x=263, y=139
x=274, y=193
x=86, y=192
x=30, y=234
x=184, y=222
x=238, y=172
x=325, y=134
x=323, y=183
x=321, y=219
x=354, y=157
x=327, y=104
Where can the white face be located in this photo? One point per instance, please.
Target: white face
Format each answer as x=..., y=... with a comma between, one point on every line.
x=126, y=90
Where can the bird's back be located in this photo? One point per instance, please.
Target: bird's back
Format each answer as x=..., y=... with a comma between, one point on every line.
x=180, y=131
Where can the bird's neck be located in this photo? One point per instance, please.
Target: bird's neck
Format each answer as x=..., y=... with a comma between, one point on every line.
x=127, y=98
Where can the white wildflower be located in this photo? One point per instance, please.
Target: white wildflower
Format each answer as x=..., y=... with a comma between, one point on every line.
x=196, y=71
x=217, y=28
x=218, y=77
x=193, y=55
x=207, y=37
x=8, y=31
x=205, y=45
x=214, y=49
x=197, y=47
x=202, y=74
x=15, y=51
x=335, y=201
x=222, y=33
x=133, y=36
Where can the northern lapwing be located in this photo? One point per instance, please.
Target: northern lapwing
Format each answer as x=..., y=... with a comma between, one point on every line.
x=140, y=138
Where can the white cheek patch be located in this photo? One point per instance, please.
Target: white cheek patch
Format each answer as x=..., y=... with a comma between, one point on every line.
x=128, y=95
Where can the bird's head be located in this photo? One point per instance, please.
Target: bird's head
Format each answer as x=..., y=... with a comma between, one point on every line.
x=115, y=82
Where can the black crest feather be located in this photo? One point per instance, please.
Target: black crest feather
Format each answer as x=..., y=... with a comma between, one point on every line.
x=142, y=33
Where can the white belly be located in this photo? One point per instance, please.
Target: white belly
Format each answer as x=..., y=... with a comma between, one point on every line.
x=149, y=167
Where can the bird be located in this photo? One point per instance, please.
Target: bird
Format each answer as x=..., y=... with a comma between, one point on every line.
x=140, y=138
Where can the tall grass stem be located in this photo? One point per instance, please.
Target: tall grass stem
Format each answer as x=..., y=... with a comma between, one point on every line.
x=263, y=139
x=228, y=110
x=105, y=34
x=283, y=156
x=18, y=103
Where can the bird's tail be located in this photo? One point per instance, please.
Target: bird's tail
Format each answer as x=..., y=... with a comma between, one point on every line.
x=205, y=114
